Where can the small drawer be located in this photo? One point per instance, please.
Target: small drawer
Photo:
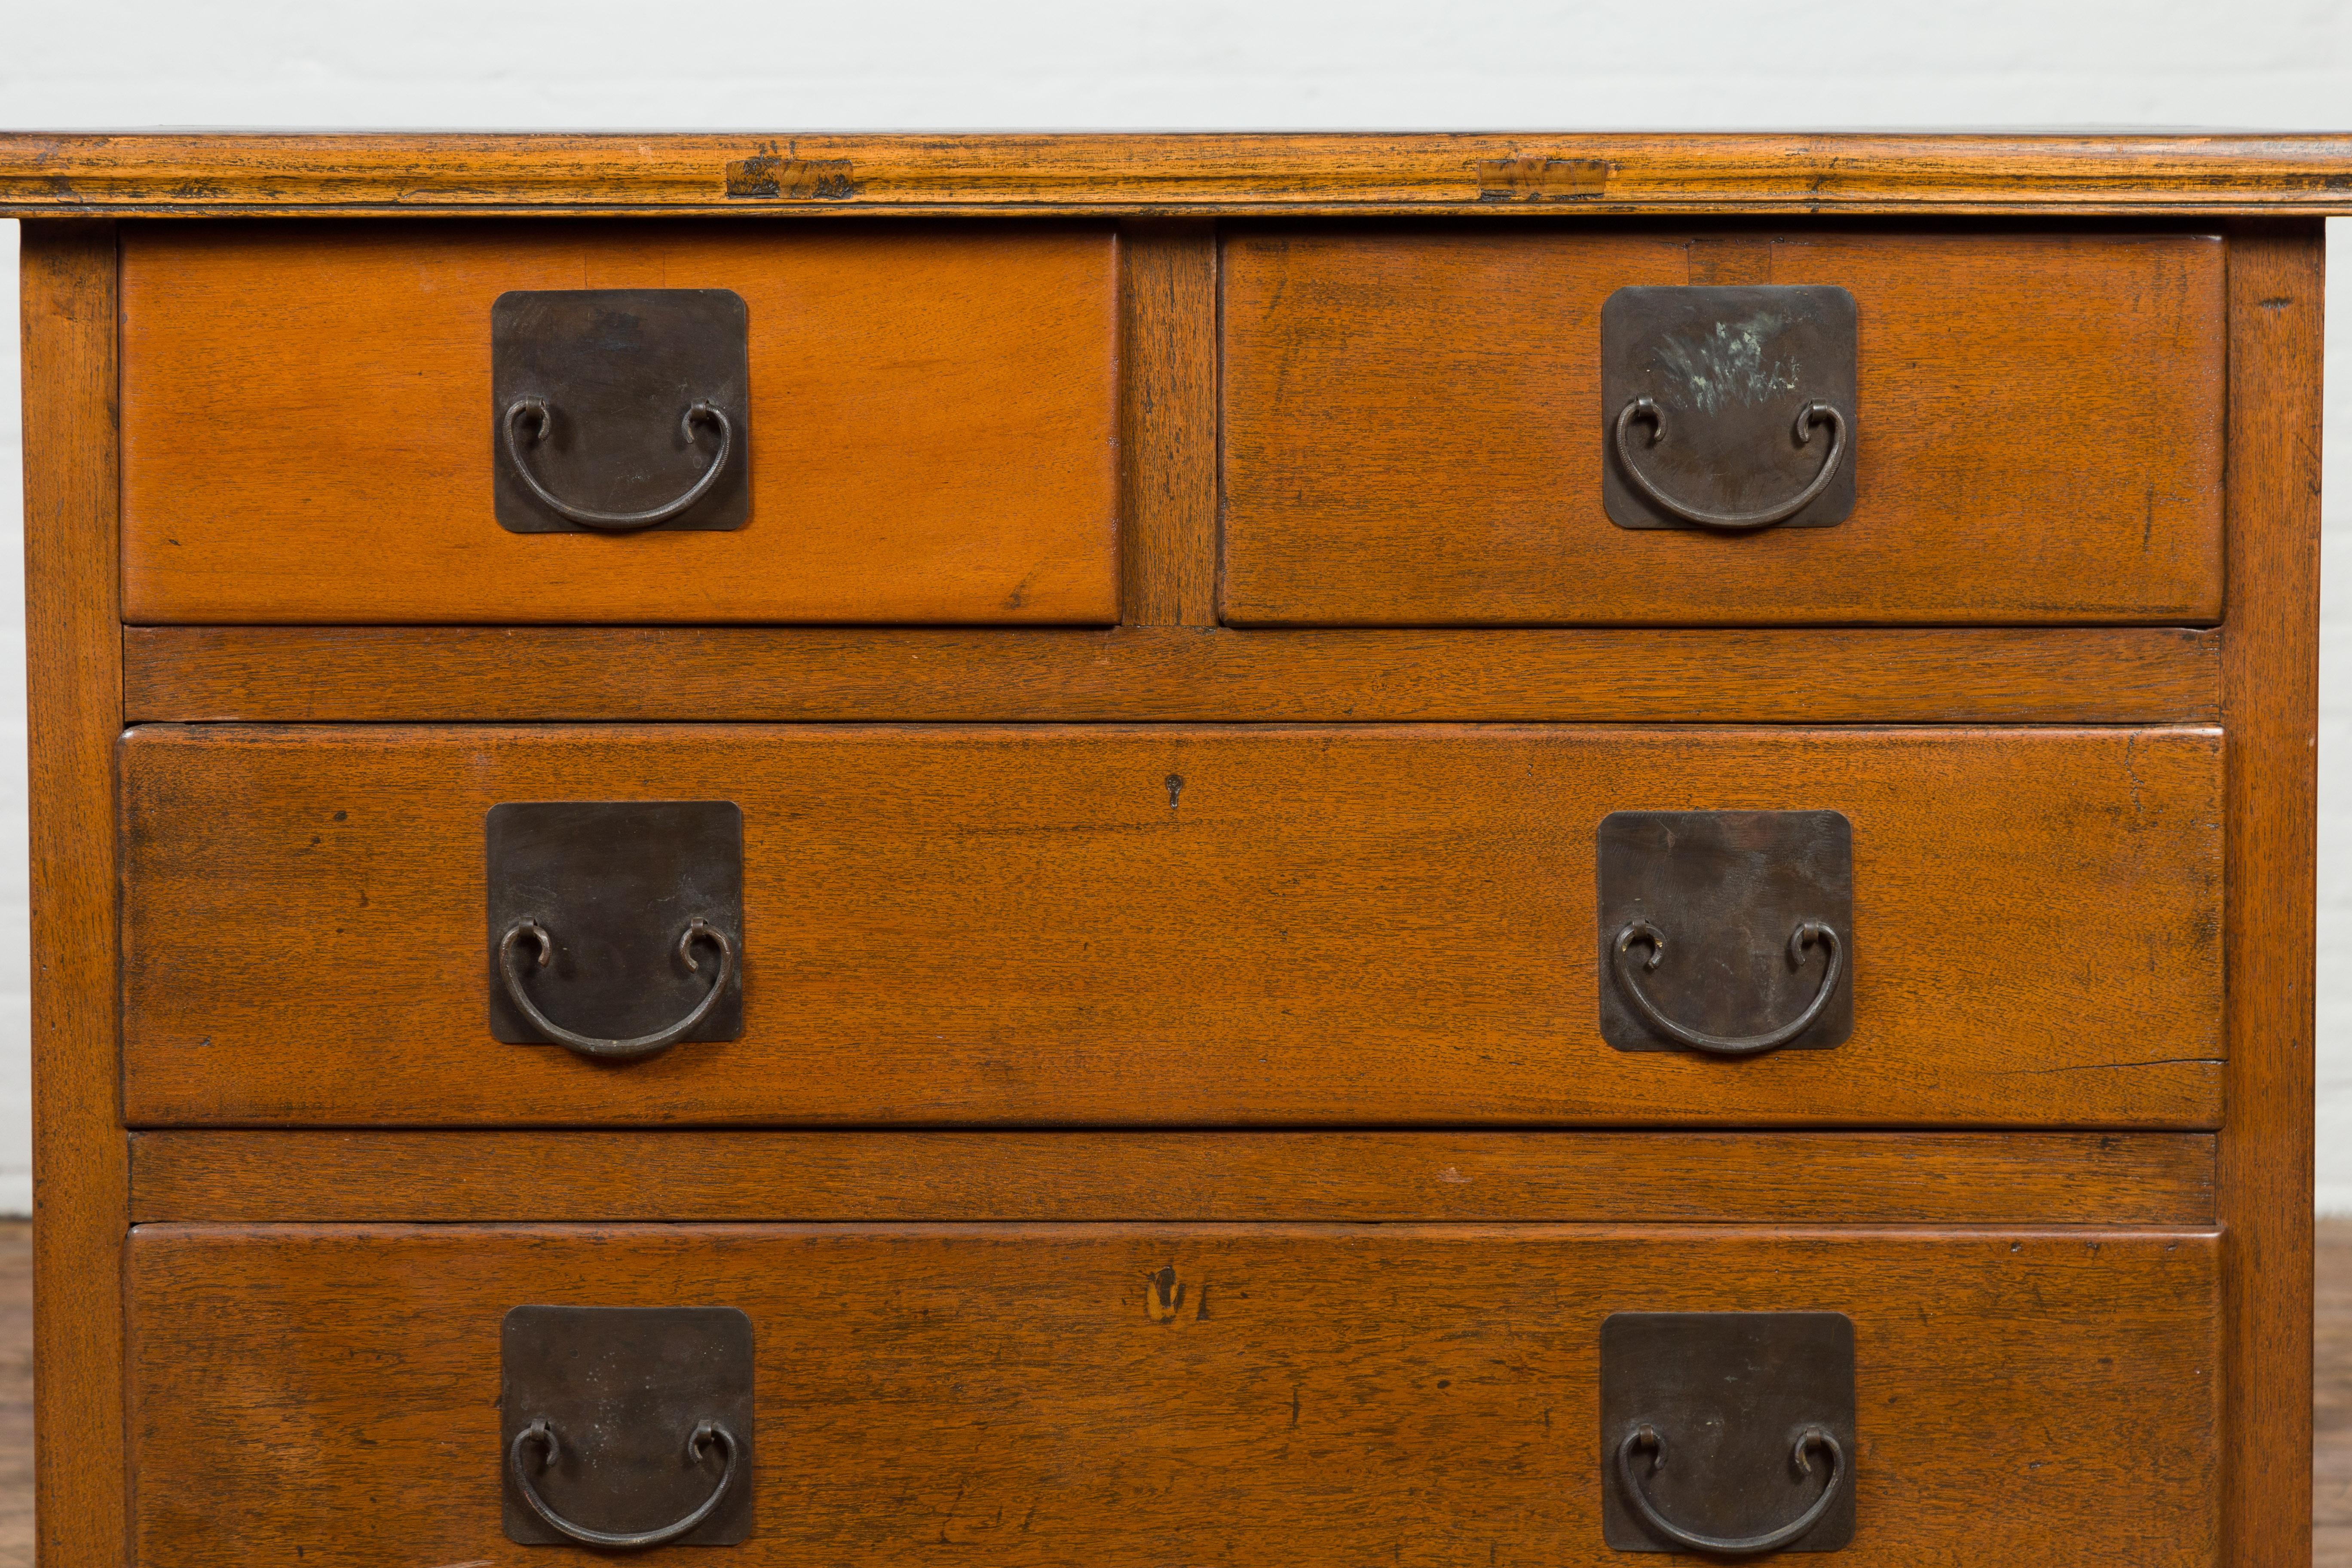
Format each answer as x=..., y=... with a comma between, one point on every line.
x=329, y=1397
x=346, y=422
x=1423, y=427
x=1158, y=925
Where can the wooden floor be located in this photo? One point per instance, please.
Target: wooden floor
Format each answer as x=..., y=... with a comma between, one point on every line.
x=15, y=1395
x=2332, y=1398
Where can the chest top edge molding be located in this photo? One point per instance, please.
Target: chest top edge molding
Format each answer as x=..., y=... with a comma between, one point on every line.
x=376, y=174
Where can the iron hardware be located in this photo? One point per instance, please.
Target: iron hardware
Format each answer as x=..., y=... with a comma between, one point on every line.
x=696, y=929
x=1748, y=899
x=603, y=916
x=620, y=410
x=1811, y=1438
x=593, y=1405
x=1730, y=383
x=540, y=1435
x=1703, y=1418
x=1646, y=409
x=1807, y=934
x=535, y=411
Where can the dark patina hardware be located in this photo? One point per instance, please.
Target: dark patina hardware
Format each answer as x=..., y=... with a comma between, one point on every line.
x=1727, y=1433
x=1808, y=935
x=535, y=412
x=696, y=929
x=1758, y=908
x=1646, y=409
x=1730, y=383
x=620, y=410
x=627, y=1427
x=540, y=1437
x=603, y=921
x=1811, y=1438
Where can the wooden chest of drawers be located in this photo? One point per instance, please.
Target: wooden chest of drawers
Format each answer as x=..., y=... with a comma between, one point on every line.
x=1278, y=849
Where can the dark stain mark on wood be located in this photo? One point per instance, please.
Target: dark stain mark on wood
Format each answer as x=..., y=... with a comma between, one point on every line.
x=793, y=179
x=1541, y=179
x=1165, y=1295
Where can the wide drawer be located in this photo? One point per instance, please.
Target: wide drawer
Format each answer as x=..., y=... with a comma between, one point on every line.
x=1173, y=925
x=1416, y=433
x=324, y=1396
x=308, y=431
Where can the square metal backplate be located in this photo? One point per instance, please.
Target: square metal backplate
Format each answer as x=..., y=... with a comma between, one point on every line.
x=1729, y=368
x=623, y=1388
x=614, y=883
x=1727, y=1393
x=618, y=370
x=1727, y=889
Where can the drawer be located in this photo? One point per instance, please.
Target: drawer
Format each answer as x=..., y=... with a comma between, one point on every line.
x=1414, y=431
x=308, y=429
x=1165, y=924
x=324, y=1396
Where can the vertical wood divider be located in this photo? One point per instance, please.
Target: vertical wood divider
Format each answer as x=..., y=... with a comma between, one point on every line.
x=2269, y=700
x=74, y=637
x=1169, y=422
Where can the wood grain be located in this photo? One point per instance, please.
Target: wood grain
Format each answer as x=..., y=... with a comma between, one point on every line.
x=388, y=175
x=1415, y=435
x=1169, y=290
x=746, y=674
x=1169, y=926
x=1418, y=1395
x=2270, y=663
x=1771, y=1178
x=307, y=426
x=80, y=1174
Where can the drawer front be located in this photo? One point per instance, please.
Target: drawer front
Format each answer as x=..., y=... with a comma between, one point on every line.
x=307, y=429
x=1173, y=925
x=324, y=1396
x=1415, y=432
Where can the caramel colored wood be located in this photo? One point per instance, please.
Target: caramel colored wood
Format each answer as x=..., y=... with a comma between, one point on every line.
x=1171, y=543
x=2270, y=663
x=307, y=429
x=80, y=1175
x=1157, y=925
x=1987, y=674
x=1782, y=1178
x=1019, y=176
x=1413, y=433
x=1419, y=1394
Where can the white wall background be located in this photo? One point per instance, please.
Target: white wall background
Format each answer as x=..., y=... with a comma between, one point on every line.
x=787, y=65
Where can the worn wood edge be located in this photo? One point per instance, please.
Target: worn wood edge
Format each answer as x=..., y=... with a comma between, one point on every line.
x=1168, y=293
x=398, y=173
x=1664, y=1178
x=80, y=1171
x=2270, y=662
x=458, y=673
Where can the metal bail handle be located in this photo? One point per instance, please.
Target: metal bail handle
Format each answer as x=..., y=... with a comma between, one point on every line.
x=593, y=1046
x=1644, y=1435
x=542, y=419
x=1807, y=934
x=540, y=1433
x=1811, y=415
